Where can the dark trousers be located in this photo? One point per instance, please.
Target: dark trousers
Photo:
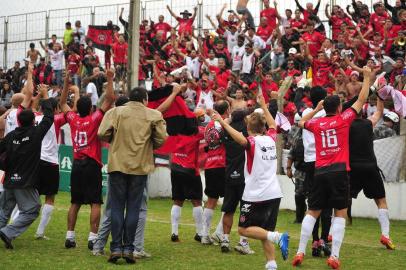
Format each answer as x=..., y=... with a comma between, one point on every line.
x=126, y=192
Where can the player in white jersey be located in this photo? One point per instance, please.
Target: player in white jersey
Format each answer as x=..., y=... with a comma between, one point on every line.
x=262, y=194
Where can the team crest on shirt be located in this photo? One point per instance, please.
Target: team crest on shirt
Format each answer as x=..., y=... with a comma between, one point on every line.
x=242, y=218
x=213, y=137
x=245, y=208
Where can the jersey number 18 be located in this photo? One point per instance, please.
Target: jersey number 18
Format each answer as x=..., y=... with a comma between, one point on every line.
x=329, y=138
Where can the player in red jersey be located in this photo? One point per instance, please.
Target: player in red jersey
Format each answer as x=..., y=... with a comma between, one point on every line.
x=331, y=188
x=86, y=177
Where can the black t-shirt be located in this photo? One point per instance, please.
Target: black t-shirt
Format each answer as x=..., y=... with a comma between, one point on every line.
x=235, y=156
x=362, y=153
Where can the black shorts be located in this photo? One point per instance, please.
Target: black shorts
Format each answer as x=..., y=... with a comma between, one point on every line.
x=261, y=214
x=86, y=182
x=232, y=197
x=215, y=181
x=48, y=175
x=368, y=180
x=186, y=186
x=329, y=190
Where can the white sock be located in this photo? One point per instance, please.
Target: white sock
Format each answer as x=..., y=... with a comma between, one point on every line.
x=306, y=232
x=70, y=235
x=207, y=217
x=271, y=265
x=338, y=235
x=45, y=217
x=331, y=226
x=198, y=217
x=226, y=237
x=219, y=228
x=176, y=211
x=92, y=236
x=274, y=237
x=383, y=218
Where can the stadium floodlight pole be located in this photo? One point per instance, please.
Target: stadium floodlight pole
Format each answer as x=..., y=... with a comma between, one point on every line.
x=134, y=48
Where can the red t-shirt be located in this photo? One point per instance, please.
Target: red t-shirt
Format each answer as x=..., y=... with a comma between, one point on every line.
x=378, y=21
x=264, y=32
x=185, y=25
x=216, y=154
x=73, y=63
x=186, y=152
x=299, y=24
x=336, y=22
x=321, y=71
x=164, y=27
x=120, y=53
x=270, y=15
x=331, y=136
x=221, y=76
x=267, y=88
x=314, y=40
x=392, y=35
x=85, y=142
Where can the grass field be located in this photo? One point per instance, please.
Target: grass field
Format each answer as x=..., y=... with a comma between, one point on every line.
x=361, y=249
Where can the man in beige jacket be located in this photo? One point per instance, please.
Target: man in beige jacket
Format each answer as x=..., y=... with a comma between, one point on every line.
x=133, y=131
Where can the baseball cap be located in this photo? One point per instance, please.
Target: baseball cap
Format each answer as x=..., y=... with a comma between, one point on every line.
x=392, y=116
x=293, y=51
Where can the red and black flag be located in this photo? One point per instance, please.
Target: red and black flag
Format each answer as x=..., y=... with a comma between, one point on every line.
x=101, y=36
x=179, y=119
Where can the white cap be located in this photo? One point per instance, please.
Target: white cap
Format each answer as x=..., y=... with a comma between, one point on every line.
x=293, y=50
x=259, y=110
x=392, y=116
x=297, y=118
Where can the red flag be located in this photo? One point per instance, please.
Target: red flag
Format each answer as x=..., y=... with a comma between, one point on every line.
x=101, y=36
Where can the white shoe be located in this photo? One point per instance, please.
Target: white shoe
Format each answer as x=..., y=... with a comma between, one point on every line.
x=217, y=238
x=244, y=249
x=206, y=240
x=41, y=237
x=225, y=246
x=141, y=254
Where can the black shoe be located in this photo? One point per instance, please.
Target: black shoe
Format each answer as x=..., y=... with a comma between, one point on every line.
x=70, y=243
x=198, y=238
x=90, y=244
x=325, y=248
x=114, y=257
x=129, y=258
x=6, y=240
x=316, y=252
x=175, y=238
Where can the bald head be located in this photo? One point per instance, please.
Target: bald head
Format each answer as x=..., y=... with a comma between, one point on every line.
x=17, y=99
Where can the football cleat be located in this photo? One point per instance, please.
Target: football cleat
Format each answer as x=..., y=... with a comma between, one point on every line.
x=386, y=241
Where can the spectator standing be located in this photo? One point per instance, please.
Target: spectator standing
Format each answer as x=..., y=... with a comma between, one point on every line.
x=33, y=54
x=79, y=33
x=5, y=94
x=43, y=73
x=129, y=164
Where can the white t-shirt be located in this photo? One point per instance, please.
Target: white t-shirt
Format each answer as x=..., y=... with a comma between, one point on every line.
x=206, y=100
x=49, y=148
x=261, y=182
x=56, y=59
x=247, y=62
x=213, y=62
x=259, y=43
x=236, y=56
x=11, y=122
x=193, y=66
x=231, y=39
x=92, y=89
x=308, y=138
x=82, y=32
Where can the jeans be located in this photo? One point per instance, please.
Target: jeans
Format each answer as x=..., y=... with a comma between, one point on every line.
x=278, y=60
x=126, y=192
x=245, y=12
x=105, y=227
x=58, y=77
x=29, y=205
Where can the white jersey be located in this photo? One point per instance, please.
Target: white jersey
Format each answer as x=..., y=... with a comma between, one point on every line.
x=49, y=148
x=308, y=138
x=261, y=182
x=247, y=63
x=231, y=39
x=11, y=122
x=236, y=56
x=206, y=100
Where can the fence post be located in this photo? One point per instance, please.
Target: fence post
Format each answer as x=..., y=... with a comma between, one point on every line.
x=200, y=16
x=5, y=42
x=46, y=28
x=143, y=10
x=92, y=16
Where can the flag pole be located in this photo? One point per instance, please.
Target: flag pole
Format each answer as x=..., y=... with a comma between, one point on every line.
x=133, y=53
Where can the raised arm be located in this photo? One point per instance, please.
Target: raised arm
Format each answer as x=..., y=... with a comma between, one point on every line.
x=220, y=15
x=194, y=13
x=211, y=22
x=268, y=117
x=307, y=54
x=310, y=115
x=299, y=6
x=363, y=40
x=64, y=95
x=29, y=89
x=237, y=136
x=168, y=102
x=171, y=12
x=363, y=95
x=327, y=12
x=378, y=114
x=109, y=95
x=317, y=6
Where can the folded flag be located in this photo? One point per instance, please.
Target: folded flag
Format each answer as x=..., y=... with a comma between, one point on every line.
x=101, y=36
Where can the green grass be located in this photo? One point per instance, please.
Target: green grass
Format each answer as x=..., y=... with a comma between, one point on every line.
x=361, y=249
